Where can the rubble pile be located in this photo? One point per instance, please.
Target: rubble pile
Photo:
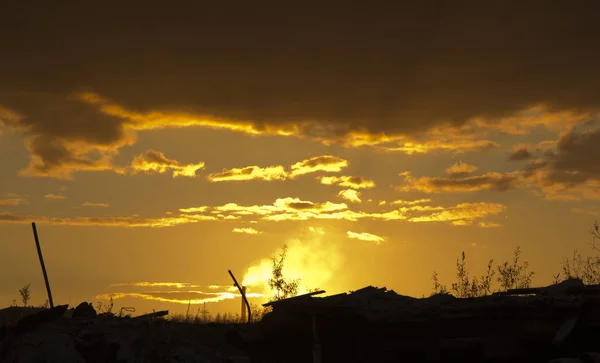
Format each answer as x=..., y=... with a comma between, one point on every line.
x=376, y=325
x=558, y=323
x=87, y=337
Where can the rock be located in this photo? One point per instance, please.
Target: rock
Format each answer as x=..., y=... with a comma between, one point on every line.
x=84, y=310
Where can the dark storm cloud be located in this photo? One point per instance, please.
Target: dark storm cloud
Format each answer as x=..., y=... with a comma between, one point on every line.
x=571, y=171
x=396, y=67
x=400, y=68
x=577, y=158
x=520, y=155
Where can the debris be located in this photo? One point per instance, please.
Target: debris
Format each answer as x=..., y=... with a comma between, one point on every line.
x=127, y=309
x=31, y=322
x=372, y=324
x=294, y=298
x=84, y=310
x=153, y=315
x=567, y=287
x=376, y=324
x=98, y=338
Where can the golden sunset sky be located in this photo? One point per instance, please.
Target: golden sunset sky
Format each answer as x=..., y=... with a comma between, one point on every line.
x=158, y=145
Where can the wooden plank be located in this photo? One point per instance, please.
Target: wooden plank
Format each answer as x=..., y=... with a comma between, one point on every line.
x=294, y=298
x=156, y=314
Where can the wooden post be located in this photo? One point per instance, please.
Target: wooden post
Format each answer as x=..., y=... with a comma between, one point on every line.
x=39, y=250
x=243, y=295
x=243, y=305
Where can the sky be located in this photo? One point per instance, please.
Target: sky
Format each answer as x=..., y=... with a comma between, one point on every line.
x=158, y=146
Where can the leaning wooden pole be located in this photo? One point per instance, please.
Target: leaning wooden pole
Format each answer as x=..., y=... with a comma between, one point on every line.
x=39, y=250
x=243, y=292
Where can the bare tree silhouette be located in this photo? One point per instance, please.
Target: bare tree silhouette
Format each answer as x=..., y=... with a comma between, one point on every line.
x=281, y=286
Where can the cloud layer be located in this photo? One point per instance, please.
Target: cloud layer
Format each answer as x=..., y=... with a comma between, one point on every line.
x=405, y=78
x=283, y=209
x=569, y=170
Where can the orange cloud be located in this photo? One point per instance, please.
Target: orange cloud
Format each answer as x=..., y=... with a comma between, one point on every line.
x=327, y=163
x=179, y=297
x=411, y=202
x=59, y=158
x=155, y=162
x=470, y=136
x=283, y=209
x=54, y=196
x=90, y=204
x=108, y=126
x=441, y=139
x=489, y=225
x=350, y=195
x=92, y=146
x=367, y=237
x=12, y=201
x=460, y=169
x=487, y=181
x=567, y=169
x=353, y=182
x=294, y=209
x=194, y=209
x=250, y=173
x=179, y=285
x=462, y=214
x=441, y=145
x=420, y=208
x=8, y=116
x=327, y=134
x=281, y=205
x=588, y=190
x=158, y=120
x=523, y=122
x=246, y=230
x=107, y=221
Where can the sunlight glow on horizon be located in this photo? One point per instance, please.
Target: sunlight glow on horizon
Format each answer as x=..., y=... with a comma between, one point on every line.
x=313, y=258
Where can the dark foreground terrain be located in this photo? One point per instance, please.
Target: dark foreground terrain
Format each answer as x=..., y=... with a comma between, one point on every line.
x=368, y=325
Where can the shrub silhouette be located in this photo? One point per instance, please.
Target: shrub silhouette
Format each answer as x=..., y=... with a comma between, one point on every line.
x=516, y=274
x=513, y=274
x=25, y=294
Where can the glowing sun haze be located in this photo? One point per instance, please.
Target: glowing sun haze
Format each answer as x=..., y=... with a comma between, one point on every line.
x=377, y=142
